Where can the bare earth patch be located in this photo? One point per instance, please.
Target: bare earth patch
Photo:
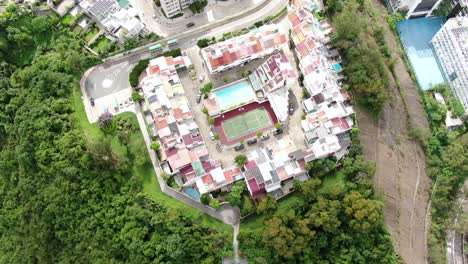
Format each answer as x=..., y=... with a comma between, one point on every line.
x=401, y=174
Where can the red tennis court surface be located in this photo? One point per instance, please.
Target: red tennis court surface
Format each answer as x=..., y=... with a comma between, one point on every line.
x=234, y=113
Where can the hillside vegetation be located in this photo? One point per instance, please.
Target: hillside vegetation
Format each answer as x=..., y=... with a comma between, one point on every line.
x=64, y=199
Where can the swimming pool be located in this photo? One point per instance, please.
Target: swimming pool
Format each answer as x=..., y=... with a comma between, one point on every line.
x=337, y=67
x=192, y=193
x=416, y=35
x=235, y=94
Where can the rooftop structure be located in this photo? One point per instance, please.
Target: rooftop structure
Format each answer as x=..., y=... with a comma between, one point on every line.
x=328, y=114
x=451, y=45
x=414, y=8
x=120, y=22
x=182, y=146
x=267, y=167
x=174, y=7
x=236, y=51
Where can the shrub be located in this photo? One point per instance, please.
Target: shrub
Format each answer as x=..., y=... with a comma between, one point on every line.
x=202, y=43
x=137, y=97
x=106, y=122
x=211, y=121
x=205, y=110
x=259, y=133
x=205, y=198
x=136, y=71
x=278, y=125
x=156, y=146
x=246, y=73
x=216, y=136
x=214, y=203
x=206, y=89
x=240, y=160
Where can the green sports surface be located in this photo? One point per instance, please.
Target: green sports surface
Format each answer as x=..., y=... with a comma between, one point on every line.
x=247, y=123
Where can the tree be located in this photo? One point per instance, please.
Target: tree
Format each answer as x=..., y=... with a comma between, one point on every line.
x=205, y=110
x=234, y=197
x=137, y=97
x=106, y=122
x=267, y=206
x=214, y=203
x=206, y=89
x=211, y=121
x=216, y=136
x=205, y=198
x=202, y=43
x=131, y=44
x=240, y=160
x=287, y=234
x=259, y=133
x=364, y=214
x=245, y=73
x=166, y=177
x=197, y=6
x=156, y=146
x=309, y=187
x=278, y=126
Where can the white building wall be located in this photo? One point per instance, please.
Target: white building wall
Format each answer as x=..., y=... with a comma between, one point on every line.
x=451, y=46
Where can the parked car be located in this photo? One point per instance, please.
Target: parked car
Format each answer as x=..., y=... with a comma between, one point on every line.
x=239, y=147
x=212, y=135
x=191, y=24
x=291, y=109
x=201, y=77
x=199, y=97
x=91, y=100
x=130, y=100
x=251, y=141
x=264, y=137
x=277, y=132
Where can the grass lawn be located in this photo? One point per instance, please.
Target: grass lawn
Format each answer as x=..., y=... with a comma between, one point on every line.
x=100, y=44
x=67, y=19
x=91, y=34
x=77, y=29
x=143, y=167
x=335, y=179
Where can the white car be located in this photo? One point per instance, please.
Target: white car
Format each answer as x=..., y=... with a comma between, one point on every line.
x=202, y=77
x=212, y=135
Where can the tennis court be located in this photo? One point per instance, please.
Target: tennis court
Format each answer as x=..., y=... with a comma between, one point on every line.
x=247, y=123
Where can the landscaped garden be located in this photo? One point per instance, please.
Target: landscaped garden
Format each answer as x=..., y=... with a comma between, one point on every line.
x=67, y=19
x=100, y=44
x=90, y=34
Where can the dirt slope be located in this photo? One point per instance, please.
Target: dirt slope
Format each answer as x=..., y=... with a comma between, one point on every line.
x=400, y=161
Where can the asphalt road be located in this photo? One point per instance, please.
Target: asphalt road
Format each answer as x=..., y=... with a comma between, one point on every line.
x=112, y=76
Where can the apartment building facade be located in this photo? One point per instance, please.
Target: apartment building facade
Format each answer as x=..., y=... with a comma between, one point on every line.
x=174, y=7
x=414, y=8
x=451, y=46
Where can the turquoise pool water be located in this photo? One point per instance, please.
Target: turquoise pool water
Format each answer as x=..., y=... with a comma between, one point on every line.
x=337, y=67
x=192, y=193
x=416, y=35
x=123, y=3
x=235, y=95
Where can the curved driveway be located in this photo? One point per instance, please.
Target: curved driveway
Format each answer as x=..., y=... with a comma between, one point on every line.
x=112, y=75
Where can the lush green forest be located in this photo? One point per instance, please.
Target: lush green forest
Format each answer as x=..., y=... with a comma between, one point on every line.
x=361, y=42
x=447, y=159
x=342, y=223
x=64, y=199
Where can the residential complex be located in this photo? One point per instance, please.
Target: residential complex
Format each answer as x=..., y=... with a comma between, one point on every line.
x=174, y=7
x=253, y=107
x=414, y=8
x=242, y=49
x=459, y=8
x=119, y=22
x=328, y=113
x=451, y=46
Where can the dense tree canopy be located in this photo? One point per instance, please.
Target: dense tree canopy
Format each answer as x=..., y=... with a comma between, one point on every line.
x=339, y=224
x=64, y=200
